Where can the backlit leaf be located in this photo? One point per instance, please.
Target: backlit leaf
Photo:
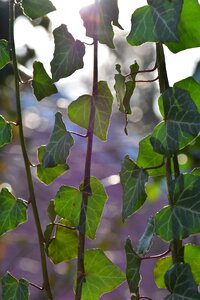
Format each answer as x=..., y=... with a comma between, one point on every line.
x=183, y=219
x=68, y=54
x=12, y=289
x=156, y=22
x=57, y=150
x=148, y=158
x=4, y=53
x=146, y=239
x=37, y=8
x=42, y=84
x=98, y=20
x=102, y=276
x=47, y=175
x=132, y=268
x=182, y=122
x=12, y=211
x=133, y=180
x=5, y=132
x=79, y=110
x=180, y=283
x=68, y=205
x=64, y=245
x=191, y=257
x=188, y=27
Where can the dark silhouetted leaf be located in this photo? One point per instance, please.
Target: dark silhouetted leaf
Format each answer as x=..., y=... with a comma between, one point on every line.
x=4, y=53
x=68, y=54
x=5, y=132
x=146, y=239
x=47, y=175
x=132, y=268
x=79, y=110
x=37, y=8
x=13, y=289
x=157, y=22
x=57, y=150
x=133, y=180
x=102, y=276
x=12, y=211
x=42, y=84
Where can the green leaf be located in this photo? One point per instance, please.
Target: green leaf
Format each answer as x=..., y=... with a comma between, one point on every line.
x=79, y=110
x=64, y=246
x=57, y=150
x=4, y=53
x=180, y=283
x=102, y=276
x=5, y=132
x=192, y=87
x=124, y=87
x=12, y=211
x=132, y=268
x=183, y=219
x=42, y=84
x=191, y=257
x=68, y=54
x=182, y=122
x=155, y=23
x=98, y=20
x=146, y=239
x=12, y=289
x=133, y=180
x=51, y=211
x=148, y=158
x=188, y=27
x=68, y=205
x=47, y=175
x=37, y=8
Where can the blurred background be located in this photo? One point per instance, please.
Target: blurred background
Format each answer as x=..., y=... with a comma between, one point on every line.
x=34, y=40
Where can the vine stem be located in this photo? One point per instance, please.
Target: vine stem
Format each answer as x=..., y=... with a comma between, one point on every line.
x=86, y=192
x=32, y=198
x=176, y=245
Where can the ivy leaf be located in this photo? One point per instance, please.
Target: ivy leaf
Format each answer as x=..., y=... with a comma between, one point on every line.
x=180, y=283
x=102, y=276
x=148, y=158
x=183, y=219
x=68, y=205
x=132, y=268
x=192, y=87
x=98, y=20
x=4, y=53
x=156, y=22
x=51, y=211
x=57, y=150
x=182, y=122
x=133, y=180
x=68, y=54
x=12, y=211
x=64, y=246
x=37, y=8
x=79, y=110
x=124, y=87
x=5, y=132
x=14, y=289
x=42, y=84
x=191, y=257
x=146, y=239
x=188, y=27
x=47, y=175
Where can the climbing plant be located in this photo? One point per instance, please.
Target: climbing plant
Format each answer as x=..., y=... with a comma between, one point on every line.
x=75, y=212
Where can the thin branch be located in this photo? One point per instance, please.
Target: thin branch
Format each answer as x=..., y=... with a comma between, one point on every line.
x=156, y=167
x=65, y=226
x=13, y=123
x=143, y=297
x=36, y=286
x=142, y=71
x=88, y=44
x=79, y=134
x=150, y=80
x=158, y=255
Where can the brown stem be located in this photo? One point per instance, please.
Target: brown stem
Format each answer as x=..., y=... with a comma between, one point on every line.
x=150, y=80
x=158, y=255
x=143, y=71
x=65, y=226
